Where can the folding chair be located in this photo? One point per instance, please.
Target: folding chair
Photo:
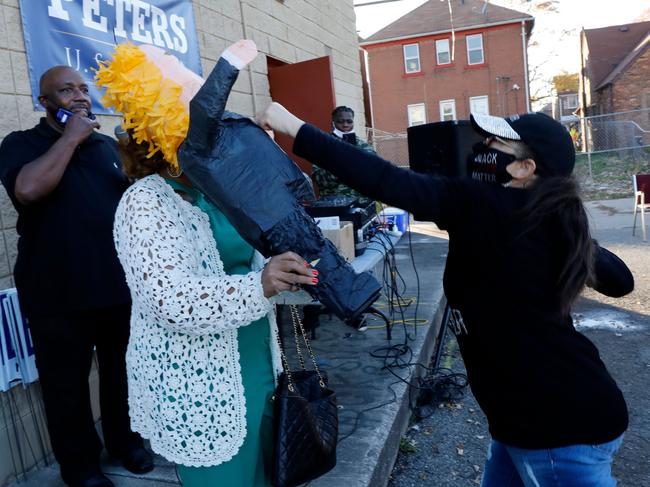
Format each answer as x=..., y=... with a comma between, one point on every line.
x=641, y=185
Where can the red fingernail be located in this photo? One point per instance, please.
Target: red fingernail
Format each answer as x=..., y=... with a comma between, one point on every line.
x=306, y=263
x=314, y=280
x=314, y=272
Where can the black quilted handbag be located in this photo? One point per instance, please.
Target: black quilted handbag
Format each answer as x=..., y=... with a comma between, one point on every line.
x=306, y=420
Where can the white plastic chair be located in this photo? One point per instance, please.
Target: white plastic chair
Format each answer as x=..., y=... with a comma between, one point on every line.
x=641, y=185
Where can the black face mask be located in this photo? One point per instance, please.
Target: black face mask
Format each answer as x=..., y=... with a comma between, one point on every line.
x=53, y=110
x=489, y=165
x=351, y=138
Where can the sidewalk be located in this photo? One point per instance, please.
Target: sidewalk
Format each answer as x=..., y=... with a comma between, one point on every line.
x=374, y=403
x=616, y=214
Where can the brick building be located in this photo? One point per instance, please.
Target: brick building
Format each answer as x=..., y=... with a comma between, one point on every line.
x=288, y=33
x=424, y=67
x=615, y=68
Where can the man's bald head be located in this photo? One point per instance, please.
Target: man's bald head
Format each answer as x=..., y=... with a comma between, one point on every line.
x=51, y=77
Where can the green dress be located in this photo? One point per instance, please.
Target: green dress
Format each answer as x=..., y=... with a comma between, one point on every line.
x=250, y=466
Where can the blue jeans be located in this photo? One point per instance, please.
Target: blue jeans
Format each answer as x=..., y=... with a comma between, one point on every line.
x=569, y=466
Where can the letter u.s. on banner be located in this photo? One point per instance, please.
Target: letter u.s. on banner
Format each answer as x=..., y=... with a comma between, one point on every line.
x=79, y=33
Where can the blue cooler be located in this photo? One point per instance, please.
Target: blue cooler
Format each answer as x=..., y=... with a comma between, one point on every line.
x=398, y=218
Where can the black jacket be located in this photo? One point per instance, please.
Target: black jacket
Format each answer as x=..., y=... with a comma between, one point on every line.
x=540, y=382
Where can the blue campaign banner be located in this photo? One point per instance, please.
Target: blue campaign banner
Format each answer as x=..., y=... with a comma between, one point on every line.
x=79, y=33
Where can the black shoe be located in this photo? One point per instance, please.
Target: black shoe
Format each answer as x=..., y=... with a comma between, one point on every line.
x=86, y=476
x=135, y=459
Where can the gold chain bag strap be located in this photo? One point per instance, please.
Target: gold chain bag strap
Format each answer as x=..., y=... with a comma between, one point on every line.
x=306, y=418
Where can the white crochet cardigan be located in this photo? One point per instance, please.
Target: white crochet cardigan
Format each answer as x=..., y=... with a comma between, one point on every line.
x=185, y=387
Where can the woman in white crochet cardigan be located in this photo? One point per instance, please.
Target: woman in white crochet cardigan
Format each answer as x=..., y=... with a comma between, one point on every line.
x=203, y=356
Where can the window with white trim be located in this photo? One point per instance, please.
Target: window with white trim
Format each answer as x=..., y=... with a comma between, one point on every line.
x=417, y=114
x=570, y=101
x=479, y=105
x=411, y=58
x=475, y=49
x=447, y=110
x=443, y=54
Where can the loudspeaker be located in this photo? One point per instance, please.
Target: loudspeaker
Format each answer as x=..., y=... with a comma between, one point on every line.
x=442, y=148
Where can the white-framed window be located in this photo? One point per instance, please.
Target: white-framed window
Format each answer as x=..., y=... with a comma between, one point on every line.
x=479, y=105
x=570, y=101
x=443, y=54
x=411, y=58
x=447, y=110
x=475, y=49
x=417, y=114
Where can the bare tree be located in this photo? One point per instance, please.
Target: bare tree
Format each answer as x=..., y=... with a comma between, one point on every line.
x=549, y=39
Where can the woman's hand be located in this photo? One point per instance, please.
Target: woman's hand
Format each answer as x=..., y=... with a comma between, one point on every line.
x=287, y=272
x=279, y=119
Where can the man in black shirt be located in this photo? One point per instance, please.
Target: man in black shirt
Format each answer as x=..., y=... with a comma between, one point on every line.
x=65, y=181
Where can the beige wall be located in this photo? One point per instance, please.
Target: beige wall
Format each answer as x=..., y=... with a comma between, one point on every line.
x=289, y=30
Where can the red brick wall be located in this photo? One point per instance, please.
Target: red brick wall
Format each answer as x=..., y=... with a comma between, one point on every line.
x=392, y=90
x=631, y=88
x=602, y=102
x=631, y=91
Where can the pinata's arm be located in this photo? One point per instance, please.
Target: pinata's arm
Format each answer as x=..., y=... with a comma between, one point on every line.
x=208, y=105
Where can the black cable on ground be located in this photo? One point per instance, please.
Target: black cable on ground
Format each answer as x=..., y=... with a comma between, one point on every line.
x=438, y=385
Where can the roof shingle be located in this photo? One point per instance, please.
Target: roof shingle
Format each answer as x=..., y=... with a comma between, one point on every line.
x=433, y=16
x=608, y=46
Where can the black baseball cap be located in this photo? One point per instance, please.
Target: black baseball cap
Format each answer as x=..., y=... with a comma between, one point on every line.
x=547, y=138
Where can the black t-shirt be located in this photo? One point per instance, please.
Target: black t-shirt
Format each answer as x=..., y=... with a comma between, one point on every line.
x=540, y=382
x=66, y=257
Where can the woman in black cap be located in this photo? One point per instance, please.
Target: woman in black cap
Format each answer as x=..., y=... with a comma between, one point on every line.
x=520, y=252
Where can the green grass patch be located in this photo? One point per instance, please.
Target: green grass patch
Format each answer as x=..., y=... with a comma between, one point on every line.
x=611, y=173
x=407, y=445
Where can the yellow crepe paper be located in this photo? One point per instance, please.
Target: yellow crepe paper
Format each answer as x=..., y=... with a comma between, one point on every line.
x=150, y=104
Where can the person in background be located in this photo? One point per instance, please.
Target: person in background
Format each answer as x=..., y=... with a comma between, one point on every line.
x=330, y=187
x=65, y=181
x=520, y=252
x=342, y=128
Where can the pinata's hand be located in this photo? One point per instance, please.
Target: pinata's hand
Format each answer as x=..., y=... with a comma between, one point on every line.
x=241, y=53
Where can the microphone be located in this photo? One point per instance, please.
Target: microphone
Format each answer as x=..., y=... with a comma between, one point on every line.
x=122, y=135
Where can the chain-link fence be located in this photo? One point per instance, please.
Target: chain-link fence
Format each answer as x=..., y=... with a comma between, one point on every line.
x=391, y=146
x=611, y=148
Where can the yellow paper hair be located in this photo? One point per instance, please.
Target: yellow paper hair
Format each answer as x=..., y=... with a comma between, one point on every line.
x=150, y=104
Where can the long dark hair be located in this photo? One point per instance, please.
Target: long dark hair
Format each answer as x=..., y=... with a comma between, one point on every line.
x=555, y=200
